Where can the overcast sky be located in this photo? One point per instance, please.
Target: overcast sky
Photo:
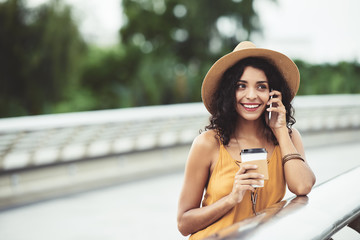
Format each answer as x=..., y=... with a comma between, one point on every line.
x=312, y=30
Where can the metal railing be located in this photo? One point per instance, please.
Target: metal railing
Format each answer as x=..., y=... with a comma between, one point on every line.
x=327, y=209
x=27, y=142
x=40, y=140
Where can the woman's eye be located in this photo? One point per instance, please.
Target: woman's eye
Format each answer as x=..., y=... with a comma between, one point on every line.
x=241, y=85
x=262, y=87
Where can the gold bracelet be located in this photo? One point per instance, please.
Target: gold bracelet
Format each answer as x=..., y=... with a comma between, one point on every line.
x=287, y=157
x=292, y=156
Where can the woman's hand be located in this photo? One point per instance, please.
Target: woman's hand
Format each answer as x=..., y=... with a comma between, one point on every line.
x=278, y=111
x=243, y=181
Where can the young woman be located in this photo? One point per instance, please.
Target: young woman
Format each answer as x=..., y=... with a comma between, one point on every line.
x=240, y=91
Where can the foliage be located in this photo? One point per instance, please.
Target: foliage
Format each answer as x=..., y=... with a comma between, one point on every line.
x=343, y=77
x=40, y=55
x=171, y=44
x=105, y=79
x=166, y=48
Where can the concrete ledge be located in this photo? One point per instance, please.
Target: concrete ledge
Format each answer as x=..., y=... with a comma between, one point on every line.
x=31, y=185
x=330, y=137
x=304, y=217
x=25, y=187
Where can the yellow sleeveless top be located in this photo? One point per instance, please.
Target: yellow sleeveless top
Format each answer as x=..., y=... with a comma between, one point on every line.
x=221, y=183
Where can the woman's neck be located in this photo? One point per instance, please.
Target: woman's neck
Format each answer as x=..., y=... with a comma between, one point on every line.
x=249, y=129
x=250, y=134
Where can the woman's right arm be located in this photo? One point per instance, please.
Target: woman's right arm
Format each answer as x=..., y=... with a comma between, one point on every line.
x=191, y=218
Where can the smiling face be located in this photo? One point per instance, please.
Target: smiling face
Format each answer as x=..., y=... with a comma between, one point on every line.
x=252, y=94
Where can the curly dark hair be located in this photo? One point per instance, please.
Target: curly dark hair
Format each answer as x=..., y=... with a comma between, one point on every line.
x=224, y=119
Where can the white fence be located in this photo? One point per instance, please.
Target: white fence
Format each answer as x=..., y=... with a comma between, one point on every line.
x=49, y=139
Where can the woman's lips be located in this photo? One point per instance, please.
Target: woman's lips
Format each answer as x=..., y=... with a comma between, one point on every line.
x=251, y=107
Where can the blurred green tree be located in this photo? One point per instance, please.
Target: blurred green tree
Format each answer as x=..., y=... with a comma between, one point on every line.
x=342, y=77
x=105, y=79
x=167, y=47
x=176, y=41
x=41, y=50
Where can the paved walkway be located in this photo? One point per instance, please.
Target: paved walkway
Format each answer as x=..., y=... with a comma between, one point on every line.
x=143, y=209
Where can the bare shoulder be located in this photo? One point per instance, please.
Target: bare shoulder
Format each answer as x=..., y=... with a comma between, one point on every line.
x=207, y=140
x=205, y=147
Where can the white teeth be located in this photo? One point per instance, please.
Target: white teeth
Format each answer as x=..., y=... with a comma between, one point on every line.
x=251, y=106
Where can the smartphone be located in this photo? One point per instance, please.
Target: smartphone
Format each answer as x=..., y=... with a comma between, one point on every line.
x=270, y=105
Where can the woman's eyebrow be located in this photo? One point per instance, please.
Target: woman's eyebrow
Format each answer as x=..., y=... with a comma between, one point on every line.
x=258, y=82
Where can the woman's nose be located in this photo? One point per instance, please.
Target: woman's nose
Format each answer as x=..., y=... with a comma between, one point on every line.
x=251, y=93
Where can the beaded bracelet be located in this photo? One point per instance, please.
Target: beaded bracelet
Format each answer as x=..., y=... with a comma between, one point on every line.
x=292, y=156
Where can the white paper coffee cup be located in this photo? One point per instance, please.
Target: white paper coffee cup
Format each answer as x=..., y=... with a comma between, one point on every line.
x=256, y=156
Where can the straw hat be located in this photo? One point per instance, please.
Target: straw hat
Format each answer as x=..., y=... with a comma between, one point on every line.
x=243, y=50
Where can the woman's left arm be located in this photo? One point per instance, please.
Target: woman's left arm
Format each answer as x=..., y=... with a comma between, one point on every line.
x=298, y=175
